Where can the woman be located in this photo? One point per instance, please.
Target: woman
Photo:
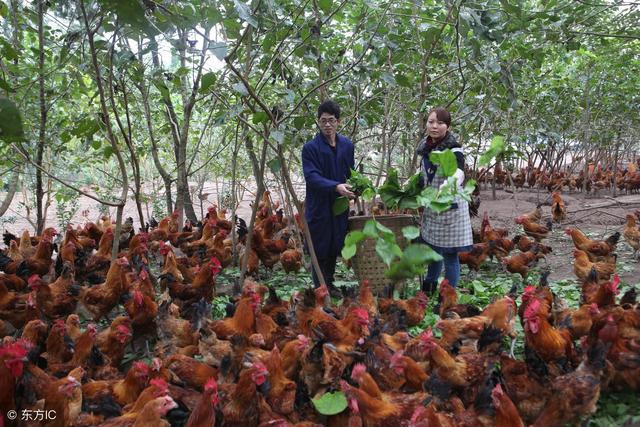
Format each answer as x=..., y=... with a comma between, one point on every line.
x=448, y=232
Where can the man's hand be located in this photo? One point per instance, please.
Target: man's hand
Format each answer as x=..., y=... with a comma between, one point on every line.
x=345, y=190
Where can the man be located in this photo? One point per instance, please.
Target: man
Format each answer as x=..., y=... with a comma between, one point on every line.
x=327, y=161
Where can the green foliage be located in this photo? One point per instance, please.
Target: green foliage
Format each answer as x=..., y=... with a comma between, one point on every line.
x=219, y=307
x=330, y=403
x=10, y=121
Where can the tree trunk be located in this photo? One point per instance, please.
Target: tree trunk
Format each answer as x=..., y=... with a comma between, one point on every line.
x=11, y=191
x=40, y=219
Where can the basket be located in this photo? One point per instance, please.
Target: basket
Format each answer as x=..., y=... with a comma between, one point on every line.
x=366, y=263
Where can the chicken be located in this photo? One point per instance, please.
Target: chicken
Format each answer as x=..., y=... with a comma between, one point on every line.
x=405, y=366
x=582, y=267
x=476, y=256
x=99, y=300
x=63, y=399
x=448, y=303
x=142, y=310
x=282, y=390
x=175, y=333
x=291, y=260
x=241, y=409
x=13, y=357
x=502, y=315
x=463, y=370
x=98, y=264
x=152, y=413
x=190, y=371
x=549, y=343
x=204, y=415
x=600, y=294
x=506, y=412
x=122, y=392
x=577, y=321
x=535, y=215
x=40, y=262
x=414, y=307
x=575, y=394
x=520, y=263
x=60, y=347
x=525, y=244
x=488, y=233
x=526, y=392
x=203, y=284
x=558, y=209
x=631, y=234
x=112, y=341
x=597, y=250
x=243, y=320
x=535, y=230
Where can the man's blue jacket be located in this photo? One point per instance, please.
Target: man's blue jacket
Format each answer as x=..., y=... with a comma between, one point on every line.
x=323, y=170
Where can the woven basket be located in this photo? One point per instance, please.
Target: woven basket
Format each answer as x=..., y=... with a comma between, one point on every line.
x=366, y=263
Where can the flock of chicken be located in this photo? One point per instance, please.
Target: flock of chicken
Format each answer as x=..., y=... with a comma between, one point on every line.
x=625, y=179
x=264, y=363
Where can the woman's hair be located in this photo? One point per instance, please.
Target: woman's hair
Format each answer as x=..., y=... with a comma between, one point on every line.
x=442, y=114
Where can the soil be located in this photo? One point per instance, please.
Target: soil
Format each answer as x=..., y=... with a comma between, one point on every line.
x=585, y=212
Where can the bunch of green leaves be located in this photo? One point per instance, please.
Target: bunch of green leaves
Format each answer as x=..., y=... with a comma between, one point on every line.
x=361, y=186
x=403, y=264
x=397, y=196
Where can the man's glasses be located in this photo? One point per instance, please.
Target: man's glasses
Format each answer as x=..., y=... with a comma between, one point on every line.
x=332, y=121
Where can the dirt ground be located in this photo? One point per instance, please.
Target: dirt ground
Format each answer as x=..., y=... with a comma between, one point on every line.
x=586, y=213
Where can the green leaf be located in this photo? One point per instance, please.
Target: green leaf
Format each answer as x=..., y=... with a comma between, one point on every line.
x=387, y=251
x=10, y=121
x=274, y=165
x=340, y=205
x=299, y=122
x=162, y=87
x=259, y=117
x=219, y=49
x=4, y=85
x=368, y=194
x=446, y=161
x=325, y=5
x=410, y=232
x=330, y=403
x=95, y=144
x=370, y=228
x=348, y=251
x=107, y=151
x=207, y=81
x=354, y=237
x=131, y=13
x=496, y=147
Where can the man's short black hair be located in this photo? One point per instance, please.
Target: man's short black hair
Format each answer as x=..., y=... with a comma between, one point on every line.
x=329, y=107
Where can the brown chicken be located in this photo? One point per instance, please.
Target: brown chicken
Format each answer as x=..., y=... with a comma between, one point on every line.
x=631, y=234
x=282, y=390
x=99, y=300
x=535, y=230
x=113, y=340
x=601, y=294
x=123, y=392
x=520, y=263
x=577, y=321
x=12, y=356
x=63, y=397
x=414, y=307
x=449, y=306
x=576, y=394
x=204, y=414
x=190, y=371
x=558, y=209
x=476, y=256
x=506, y=412
x=243, y=320
x=597, y=250
x=525, y=244
x=152, y=413
x=582, y=267
x=549, y=343
x=291, y=260
x=242, y=407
